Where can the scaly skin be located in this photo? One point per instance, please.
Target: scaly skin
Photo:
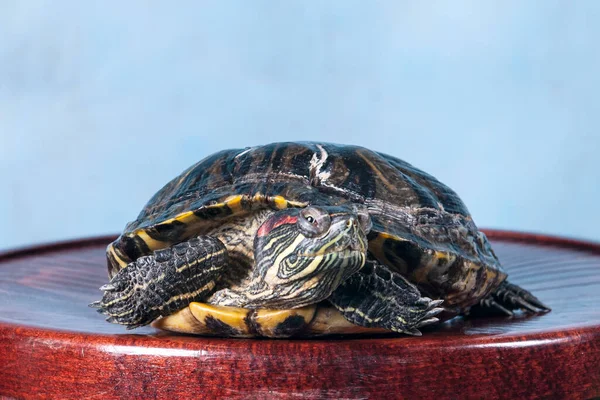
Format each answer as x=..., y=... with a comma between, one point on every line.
x=302, y=257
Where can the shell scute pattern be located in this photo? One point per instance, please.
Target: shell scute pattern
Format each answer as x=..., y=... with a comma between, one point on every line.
x=420, y=226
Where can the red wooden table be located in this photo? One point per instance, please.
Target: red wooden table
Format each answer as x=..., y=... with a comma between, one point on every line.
x=53, y=346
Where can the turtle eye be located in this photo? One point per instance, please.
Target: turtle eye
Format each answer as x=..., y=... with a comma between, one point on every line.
x=313, y=221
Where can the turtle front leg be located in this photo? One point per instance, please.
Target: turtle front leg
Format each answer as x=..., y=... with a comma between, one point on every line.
x=164, y=282
x=376, y=297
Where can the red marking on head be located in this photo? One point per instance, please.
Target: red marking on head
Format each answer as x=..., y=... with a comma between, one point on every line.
x=273, y=223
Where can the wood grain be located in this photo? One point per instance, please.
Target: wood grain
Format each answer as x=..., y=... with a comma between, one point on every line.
x=53, y=346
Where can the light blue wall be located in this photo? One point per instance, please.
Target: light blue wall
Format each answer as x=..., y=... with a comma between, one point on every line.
x=100, y=105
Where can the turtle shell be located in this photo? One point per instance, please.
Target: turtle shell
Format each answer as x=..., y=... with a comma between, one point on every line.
x=421, y=228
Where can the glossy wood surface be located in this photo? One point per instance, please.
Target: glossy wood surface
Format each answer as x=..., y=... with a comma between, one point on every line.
x=53, y=346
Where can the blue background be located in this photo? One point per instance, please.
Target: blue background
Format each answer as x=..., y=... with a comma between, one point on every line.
x=102, y=103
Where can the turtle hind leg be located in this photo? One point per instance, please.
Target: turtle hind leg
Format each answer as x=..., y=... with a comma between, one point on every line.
x=162, y=283
x=376, y=297
x=507, y=298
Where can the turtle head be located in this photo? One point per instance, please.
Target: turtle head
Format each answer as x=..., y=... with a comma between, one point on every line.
x=302, y=255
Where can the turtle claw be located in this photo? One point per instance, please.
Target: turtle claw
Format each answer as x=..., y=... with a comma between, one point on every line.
x=109, y=287
x=427, y=317
x=507, y=298
x=433, y=313
x=413, y=332
x=95, y=304
x=520, y=298
x=424, y=301
x=426, y=322
x=527, y=305
x=102, y=311
x=435, y=303
x=499, y=307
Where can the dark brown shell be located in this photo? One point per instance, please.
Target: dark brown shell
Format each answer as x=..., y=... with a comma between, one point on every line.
x=421, y=228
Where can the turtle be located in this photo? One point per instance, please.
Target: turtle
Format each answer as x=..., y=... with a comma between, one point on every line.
x=300, y=239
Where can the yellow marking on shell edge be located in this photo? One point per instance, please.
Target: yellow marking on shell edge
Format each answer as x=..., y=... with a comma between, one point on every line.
x=258, y=197
x=385, y=235
x=440, y=255
x=325, y=320
x=234, y=203
x=376, y=248
x=111, y=249
x=279, y=202
x=268, y=320
x=232, y=316
x=192, y=319
x=186, y=217
x=151, y=243
x=182, y=321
